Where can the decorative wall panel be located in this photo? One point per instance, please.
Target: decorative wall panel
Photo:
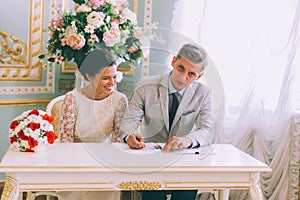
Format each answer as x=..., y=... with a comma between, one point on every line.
x=20, y=48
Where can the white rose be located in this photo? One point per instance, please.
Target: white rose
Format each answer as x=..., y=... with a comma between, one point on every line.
x=28, y=131
x=113, y=2
x=95, y=19
x=41, y=140
x=36, y=134
x=70, y=30
x=83, y=8
x=16, y=145
x=24, y=143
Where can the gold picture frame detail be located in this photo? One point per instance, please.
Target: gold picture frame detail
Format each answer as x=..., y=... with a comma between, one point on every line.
x=67, y=68
x=126, y=69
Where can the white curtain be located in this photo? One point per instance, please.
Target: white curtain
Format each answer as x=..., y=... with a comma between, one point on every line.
x=255, y=48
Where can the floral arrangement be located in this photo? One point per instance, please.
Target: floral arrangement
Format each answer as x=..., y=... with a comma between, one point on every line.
x=95, y=23
x=30, y=130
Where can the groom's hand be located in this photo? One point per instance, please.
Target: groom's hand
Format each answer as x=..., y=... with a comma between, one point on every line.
x=175, y=143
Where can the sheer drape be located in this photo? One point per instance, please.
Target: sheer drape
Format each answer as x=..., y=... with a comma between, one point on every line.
x=255, y=47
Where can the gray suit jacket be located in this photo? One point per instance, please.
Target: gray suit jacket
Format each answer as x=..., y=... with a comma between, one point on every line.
x=150, y=103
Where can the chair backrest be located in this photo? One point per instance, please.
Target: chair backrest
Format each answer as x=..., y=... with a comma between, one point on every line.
x=54, y=109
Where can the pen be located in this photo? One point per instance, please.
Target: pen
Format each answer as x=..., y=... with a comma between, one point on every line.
x=190, y=153
x=196, y=152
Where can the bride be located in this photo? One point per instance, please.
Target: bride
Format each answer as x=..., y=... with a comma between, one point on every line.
x=93, y=112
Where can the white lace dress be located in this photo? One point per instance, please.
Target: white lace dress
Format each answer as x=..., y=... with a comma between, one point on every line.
x=87, y=120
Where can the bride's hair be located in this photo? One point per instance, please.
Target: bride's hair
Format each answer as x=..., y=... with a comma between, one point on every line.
x=96, y=61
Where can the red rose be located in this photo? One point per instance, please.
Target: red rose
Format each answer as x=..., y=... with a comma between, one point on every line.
x=51, y=137
x=29, y=150
x=22, y=136
x=14, y=124
x=13, y=139
x=32, y=142
x=34, y=112
x=34, y=126
x=48, y=118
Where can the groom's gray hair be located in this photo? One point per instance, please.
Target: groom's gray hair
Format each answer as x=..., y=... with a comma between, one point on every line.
x=194, y=53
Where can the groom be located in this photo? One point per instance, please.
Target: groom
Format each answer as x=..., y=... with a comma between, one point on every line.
x=176, y=109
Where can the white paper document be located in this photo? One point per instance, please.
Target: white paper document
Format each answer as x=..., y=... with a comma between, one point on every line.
x=156, y=148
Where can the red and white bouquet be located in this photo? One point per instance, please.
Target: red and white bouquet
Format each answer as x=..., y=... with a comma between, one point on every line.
x=31, y=130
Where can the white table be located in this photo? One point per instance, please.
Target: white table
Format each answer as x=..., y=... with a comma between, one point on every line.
x=78, y=166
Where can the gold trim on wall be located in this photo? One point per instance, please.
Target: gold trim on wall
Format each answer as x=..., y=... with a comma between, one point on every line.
x=25, y=102
x=127, y=70
x=147, y=23
x=14, y=51
x=66, y=68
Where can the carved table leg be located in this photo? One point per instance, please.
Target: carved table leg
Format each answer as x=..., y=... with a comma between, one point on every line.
x=255, y=189
x=224, y=194
x=10, y=190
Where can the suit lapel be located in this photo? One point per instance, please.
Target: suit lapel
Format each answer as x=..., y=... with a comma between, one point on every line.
x=164, y=98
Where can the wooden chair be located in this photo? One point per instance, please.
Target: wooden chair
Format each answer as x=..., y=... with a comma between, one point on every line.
x=54, y=109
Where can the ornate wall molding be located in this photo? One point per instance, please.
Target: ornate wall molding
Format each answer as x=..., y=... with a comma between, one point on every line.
x=139, y=185
x=10, y=190
x=19, y=60
x=48, y=88
x=147, y=24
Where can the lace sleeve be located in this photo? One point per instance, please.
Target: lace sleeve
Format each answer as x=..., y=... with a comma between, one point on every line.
x=68, y=118
x=119, y=112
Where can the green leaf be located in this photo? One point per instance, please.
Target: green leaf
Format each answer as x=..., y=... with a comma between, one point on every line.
x=79, y=1
x=51, y=59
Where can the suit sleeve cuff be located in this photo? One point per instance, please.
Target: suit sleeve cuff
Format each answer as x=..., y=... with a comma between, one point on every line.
x=195, y=144
x=125, y=138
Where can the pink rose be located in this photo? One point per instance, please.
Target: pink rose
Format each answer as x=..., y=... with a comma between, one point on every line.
x=97, y=3
x=58, y=21
x=111, y=37
x=76, y=41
